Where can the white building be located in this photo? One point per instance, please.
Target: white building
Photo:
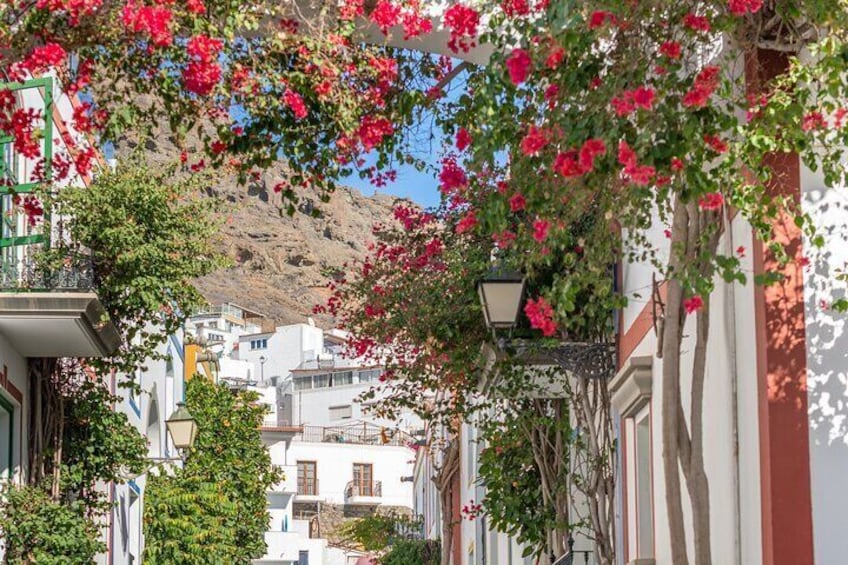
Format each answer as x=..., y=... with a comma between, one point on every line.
x=162, y=386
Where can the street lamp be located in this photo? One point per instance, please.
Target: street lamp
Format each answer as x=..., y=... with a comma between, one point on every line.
x=501, y=293
x=182, y=427
x=262, y=369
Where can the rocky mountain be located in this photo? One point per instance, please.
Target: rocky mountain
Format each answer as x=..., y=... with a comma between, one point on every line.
x=279, y=262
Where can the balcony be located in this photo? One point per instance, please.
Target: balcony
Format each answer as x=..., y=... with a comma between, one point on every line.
x=289, y=483
x=364, y=493
x=53, y=311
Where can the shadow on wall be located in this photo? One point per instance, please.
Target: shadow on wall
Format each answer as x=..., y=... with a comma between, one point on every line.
x=827, y=355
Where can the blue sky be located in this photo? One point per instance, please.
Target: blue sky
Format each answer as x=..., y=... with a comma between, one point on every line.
x=420, y=187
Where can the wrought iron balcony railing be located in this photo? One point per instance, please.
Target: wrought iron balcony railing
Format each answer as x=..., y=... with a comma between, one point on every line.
x=73, y=274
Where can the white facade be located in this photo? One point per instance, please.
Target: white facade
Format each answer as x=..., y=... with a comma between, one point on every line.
x=162, y=386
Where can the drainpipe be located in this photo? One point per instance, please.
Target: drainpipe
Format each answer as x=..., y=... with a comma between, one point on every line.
x=734, y=395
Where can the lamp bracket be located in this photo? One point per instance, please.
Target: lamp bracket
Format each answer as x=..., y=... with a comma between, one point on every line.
x=582, y=359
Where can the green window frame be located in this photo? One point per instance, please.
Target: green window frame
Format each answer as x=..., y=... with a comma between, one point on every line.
x=9, y=408
x=45, y=86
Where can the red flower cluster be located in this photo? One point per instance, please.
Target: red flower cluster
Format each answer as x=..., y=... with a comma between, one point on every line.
x=813, y=120
x=202, y=74
x=196, y=7
x=670, y=49
x=693, y=304
x=742, y=7
x=540, y=230
x=534, y=141
x=575, y=163
x=630, y=100
x=637, y=174
x=513, y=8
x=696, y=23
x=705, y=84
x=415, y=25
x=32, y=207
x=44, y=57
x=386, y=15
x=555, y=57
x=20, y=125
x=600, y=18
x=716, y=143
x=518, y=63
x=75, y=9
x=295, y=103
x=517, y=202
x=372, y=130
x=462, y=22
x=541, y=315
x=152, y=21
x=467, y=222
x=452, y=178
x=463, y=139
x=711, y=201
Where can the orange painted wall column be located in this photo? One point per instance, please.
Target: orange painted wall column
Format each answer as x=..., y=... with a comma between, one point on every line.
x=787, y=523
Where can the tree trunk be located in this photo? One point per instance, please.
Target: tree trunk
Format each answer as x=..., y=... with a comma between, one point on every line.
x=672, y=418
x=444, y=481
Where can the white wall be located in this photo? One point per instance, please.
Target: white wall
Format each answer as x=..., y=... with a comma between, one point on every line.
x=731, y=355
x=335, y=468
x=827, y=368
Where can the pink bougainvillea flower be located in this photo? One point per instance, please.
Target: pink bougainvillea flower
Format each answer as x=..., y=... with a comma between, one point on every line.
x=541, y=314
x=386, y=15
x=567, y=164
x=676, y=164
x=555, y=57
x=740, y=250
x=716, y=143
x=463, y=139
x=693, y=304
x=415, y=25
x=373, y=130
x=591, y=149
x=742, y=7
x=626, y=155
x=295, y=103
x=517, y=202
x=196, y=7
x=462, y=21
x=711, y=201
x=534, y=141
x=452, y=178
x=503, y=239
x=839, y=117
x=540, y=230
x=44, y=57
x=696, y=23
x=643, y=97
x=813, y=121
x=152, y=21
x=670, y=49
x=600, y=18
x=703, y=87
x=667, y=233
x=623, y=105
x=467, y=222
x=518, y=63
x=513, y=8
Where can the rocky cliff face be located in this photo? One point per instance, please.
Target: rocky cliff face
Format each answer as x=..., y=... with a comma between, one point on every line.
x=281, y=263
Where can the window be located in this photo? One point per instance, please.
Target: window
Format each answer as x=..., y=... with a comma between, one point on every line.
x=370, y=376
x=303, y=383
x=644, y=495
x=302, y=557
x=321, y=381
x=7, y=438
x=363, y=474
x=345, y=378
x=258, y=344
x=341, y=412
x=307, y=478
